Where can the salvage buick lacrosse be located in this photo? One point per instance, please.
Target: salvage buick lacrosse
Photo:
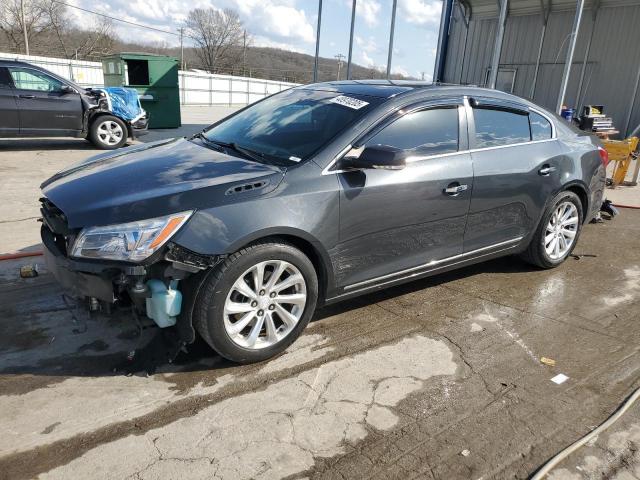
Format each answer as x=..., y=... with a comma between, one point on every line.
x=316, y=195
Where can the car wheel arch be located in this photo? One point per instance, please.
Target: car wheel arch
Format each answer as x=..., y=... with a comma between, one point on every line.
x=306, y=243
x=581, y=191
x=96, y=116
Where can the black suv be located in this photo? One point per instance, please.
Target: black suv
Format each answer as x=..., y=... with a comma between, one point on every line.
x=316, y=195
x=35, y=102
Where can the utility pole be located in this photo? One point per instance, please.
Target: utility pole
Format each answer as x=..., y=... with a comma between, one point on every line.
x=391, y=32
x=339, y=57
x=315, y=63
x=24, y=28
x=353, y=19
x=181, y=48
x=244, y=51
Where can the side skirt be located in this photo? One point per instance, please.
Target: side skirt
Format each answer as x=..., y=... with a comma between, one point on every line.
x=430, y=269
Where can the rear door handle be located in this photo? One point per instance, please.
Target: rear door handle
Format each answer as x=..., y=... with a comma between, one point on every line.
x=455, y=188
x=546, y=170
x=27, y=96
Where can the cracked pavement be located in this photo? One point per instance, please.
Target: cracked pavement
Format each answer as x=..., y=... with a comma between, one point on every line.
x=395, y=384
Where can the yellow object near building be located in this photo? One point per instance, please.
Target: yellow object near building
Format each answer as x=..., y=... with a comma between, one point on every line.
x=622, y=152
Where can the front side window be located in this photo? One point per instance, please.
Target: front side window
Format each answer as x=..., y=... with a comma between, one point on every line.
x=540, y=127
x=5, y=79
x=496, y=127
x=27, y=79
x=426, y=132
x=293, y=124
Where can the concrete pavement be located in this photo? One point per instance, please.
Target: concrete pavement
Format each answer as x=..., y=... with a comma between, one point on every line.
x=438, y=379
x=396, y=384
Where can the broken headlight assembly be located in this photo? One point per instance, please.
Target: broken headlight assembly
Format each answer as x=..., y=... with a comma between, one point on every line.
x=128, y=242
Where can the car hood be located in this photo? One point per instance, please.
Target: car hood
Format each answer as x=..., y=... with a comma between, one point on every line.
x=152, y=180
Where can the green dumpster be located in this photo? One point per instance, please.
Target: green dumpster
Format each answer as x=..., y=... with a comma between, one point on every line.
x=155, y=77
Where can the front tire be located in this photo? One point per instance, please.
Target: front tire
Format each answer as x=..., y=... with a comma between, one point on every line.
x=255, y=304
x=558, y=232
x=108, y=132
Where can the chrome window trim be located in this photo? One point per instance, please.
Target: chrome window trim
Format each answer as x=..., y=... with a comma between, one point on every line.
x=327, y=170
x=533, y=142
x=469, y=110
x=524, y=108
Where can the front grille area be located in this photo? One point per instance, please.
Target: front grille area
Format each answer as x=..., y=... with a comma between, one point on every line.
x=53, y=217
x=55, y=220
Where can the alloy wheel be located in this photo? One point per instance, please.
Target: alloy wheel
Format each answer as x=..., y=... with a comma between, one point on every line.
x=561, y=230
x=265, y=304
x=110, y=133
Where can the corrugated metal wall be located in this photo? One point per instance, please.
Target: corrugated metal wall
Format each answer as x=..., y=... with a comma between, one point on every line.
x=611, y=68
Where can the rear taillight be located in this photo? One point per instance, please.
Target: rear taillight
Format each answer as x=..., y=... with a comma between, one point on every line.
x=604, y=156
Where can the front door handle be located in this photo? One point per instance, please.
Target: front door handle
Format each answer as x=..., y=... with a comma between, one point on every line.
x=27, y=96
x=455, y=189
x=546, y=170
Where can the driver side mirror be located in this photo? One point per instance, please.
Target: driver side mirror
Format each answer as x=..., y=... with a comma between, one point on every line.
x=382, y=157
x=65, y=89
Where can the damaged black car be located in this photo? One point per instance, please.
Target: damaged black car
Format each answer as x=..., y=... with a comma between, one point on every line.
x=315, y=195
x=35, y=102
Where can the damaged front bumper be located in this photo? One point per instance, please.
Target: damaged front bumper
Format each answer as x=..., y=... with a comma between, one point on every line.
x=164, y=288
x=140, y=126
x=86, y=279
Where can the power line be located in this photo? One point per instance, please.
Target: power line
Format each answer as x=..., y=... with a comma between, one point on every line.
x=167, y=32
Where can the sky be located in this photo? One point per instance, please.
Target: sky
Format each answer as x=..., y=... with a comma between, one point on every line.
x=291, y=25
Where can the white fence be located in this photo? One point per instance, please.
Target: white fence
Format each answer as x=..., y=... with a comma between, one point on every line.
x=196, y=88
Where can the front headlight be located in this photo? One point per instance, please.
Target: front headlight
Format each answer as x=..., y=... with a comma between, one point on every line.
x=129, y=242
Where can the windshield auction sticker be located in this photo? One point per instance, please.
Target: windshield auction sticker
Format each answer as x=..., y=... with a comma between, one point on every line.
x=349, y=102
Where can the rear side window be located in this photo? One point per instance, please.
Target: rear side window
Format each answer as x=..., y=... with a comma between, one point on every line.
x=540, y=127
x=426, y=132
x=500, y=127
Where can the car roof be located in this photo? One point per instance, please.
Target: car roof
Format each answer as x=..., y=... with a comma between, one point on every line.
x=15, y=63
x=393, y=88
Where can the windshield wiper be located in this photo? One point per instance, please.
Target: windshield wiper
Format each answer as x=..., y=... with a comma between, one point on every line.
x=245, y=152
x=215, y=145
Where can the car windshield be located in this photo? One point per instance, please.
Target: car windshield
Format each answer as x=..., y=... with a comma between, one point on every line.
x=292, y=125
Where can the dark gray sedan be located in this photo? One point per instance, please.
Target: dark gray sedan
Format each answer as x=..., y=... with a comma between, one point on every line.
x=316, y=195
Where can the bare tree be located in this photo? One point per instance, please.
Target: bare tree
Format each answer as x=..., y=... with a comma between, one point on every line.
x=56, y=17
x=96, y=41
x=18, y=17
x=215, y=33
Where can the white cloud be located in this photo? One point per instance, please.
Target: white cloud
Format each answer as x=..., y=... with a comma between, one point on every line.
x=368, y=45
x=276, y=21
x=400, y=71
x=279, y=20
x=367, y=61
x=368, y=10
x=420, y=12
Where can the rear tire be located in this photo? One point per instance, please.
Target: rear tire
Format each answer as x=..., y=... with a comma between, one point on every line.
x=558, y=232
x=246, y=312
x=108, y=132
